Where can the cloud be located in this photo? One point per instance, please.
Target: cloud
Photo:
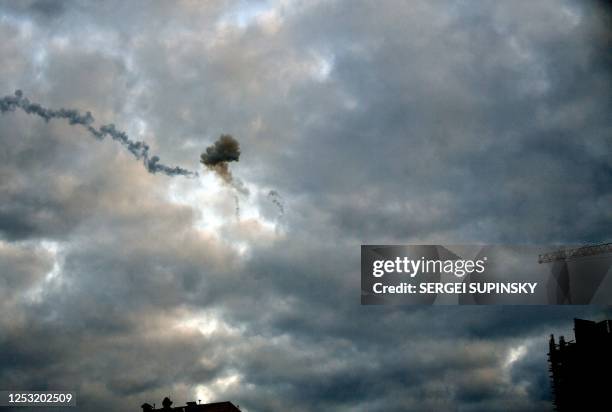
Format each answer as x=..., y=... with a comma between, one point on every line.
x=444, y=122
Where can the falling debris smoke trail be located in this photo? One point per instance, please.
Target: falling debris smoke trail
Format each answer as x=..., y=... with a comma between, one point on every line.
x=139, y=149
x=237, y=205
x=277, y=199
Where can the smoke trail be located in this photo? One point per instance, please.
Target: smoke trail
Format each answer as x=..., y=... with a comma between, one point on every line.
x=277, y=199
x=139, y=149
x=237, y=207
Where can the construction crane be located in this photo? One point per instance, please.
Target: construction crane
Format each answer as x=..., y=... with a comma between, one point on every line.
x=583, y=251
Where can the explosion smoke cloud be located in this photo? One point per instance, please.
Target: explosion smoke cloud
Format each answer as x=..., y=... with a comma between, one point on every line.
x=139, y=149
x=217, y=156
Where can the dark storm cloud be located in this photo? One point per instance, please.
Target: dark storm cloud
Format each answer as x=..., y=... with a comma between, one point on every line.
x=139, y=149
x=484, y=142
x=44, y=9
x=22, y=267
x=448, y=121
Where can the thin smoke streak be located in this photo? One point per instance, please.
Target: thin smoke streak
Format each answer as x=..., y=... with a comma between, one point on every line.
x=277, y=199
x=139, y=149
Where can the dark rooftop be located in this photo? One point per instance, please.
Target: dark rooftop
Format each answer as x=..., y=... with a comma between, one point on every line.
x=192, y=407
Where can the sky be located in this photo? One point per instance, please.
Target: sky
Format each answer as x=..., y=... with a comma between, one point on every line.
x=392, y=122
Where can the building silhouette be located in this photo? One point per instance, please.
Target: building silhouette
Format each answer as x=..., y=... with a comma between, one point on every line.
x=191, y=407
x=581, y=369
